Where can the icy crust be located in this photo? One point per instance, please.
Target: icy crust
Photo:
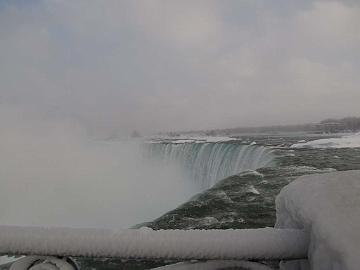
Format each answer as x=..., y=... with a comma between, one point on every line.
x=43, y=263
x=268, y=243
x=328, y=207
x=350, y=141
x=215, y=265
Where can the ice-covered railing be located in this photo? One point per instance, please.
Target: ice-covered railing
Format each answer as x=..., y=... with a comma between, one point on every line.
x=267, y=243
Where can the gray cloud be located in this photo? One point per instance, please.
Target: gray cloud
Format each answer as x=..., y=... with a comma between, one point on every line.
x=160, y=65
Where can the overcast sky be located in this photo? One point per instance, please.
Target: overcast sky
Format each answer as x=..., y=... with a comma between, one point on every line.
x=172, y=65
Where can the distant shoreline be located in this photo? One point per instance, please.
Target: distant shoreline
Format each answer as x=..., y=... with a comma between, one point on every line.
x=343, y=125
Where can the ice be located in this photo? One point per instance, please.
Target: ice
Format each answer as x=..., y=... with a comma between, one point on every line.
x=215, y=139
x=215, y=265
x=47, y=263
x=183, y=141
x=327, y=206
x=267, y=243
x=349, y=141
x=193, y=139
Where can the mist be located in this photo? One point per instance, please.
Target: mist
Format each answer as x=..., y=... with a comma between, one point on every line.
x=53, y=174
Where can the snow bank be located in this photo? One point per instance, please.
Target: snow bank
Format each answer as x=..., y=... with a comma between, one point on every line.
x=214, y=265
x=268, y=243
x=7, y=259
x=350, y=141
x=328, y=207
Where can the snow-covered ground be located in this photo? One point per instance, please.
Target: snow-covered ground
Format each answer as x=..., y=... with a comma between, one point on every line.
x=348, y=141
x=328, y=207
x=192, y=139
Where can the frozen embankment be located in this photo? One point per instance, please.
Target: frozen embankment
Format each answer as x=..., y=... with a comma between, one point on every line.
x=327, y=206
x=349, y=141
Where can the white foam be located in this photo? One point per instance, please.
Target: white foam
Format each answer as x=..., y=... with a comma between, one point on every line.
x=253, y=190
x=309, y=169
x=251, y=172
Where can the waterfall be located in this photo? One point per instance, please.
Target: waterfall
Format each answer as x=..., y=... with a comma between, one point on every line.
x=206, y=163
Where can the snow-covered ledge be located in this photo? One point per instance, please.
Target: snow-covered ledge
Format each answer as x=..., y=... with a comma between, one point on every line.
x=328, y=207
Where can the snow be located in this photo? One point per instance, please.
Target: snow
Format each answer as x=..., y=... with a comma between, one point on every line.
x=327, y=206
x=214, y=265
x=349, y=141
x=267, y=243
x=47, y=263
x=183, y=141
x=215, y=139
x=193, y=139
x=7, y=259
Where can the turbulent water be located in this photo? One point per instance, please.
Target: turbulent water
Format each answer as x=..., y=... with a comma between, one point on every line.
x=247, y=199
x=206, y=163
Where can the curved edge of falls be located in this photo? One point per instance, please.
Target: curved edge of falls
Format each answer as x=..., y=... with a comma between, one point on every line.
x=207, y=163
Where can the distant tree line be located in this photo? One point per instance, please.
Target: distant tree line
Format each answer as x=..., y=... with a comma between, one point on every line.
x=348, y=124
x=338, y=125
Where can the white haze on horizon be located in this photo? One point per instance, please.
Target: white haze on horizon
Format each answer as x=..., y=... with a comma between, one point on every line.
x=53, y=175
